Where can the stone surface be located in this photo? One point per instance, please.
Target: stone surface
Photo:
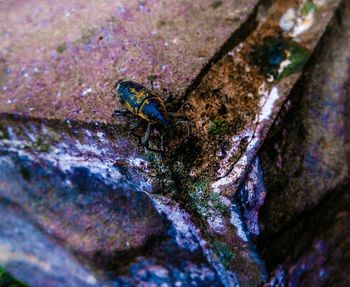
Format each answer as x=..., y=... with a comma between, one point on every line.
x=85, y=215
x=91, y=193
x=306, y=155
x=82, y=177
x=245, y=90
x=305, y=219
x=251, y=196
x=66, y=61
x=315, y=250
x=29, y=255
x=231, y=112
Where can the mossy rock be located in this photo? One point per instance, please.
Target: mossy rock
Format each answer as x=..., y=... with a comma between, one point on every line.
x=217, y=127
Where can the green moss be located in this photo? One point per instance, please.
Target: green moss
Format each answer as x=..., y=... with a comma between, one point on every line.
x=268, y=55
x=163, y=181
x=88, y=33
x=202, y=199
x=273, y=51
x=217, y=127
x=39, y=145
x=308, y=8
x=298, y=56
x=151, y=78
x=6, y=280
x=215, y=199
x=154, y=159
x=61, y=48
x=53, y=136
x=195, y=193
x=223, y=251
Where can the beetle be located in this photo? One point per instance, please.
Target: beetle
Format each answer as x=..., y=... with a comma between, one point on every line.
x=144, y=103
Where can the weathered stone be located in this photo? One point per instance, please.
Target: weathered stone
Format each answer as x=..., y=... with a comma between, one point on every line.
x=315, y=250
x=306, y=154
x=251, y=197
x=248, y=94
x=34, y=259
x=91, y=193
x=120, y=209
x=79, y=210
x=70, y=77
x=231, y=112
x=72, y=202
x=64, y=64
x=305, y=219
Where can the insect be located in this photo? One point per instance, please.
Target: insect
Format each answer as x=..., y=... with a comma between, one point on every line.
x=145, y=104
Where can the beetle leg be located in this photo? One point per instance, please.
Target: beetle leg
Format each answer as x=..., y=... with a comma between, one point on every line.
x=151, y=80
x=146, y=136
x=167, y=99
x=120, y=113
x=136, y=126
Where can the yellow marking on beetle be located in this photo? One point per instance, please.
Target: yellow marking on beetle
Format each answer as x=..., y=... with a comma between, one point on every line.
x=146, y=102
x=140, y=95
x=130, y=108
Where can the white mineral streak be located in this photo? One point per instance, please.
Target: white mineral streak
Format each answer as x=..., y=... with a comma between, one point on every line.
x=284, y=64
x=237, y=222
x=295, y=23
x=217, y=223
x=86, y=91
x=287, y=21
x=188, y=236
x=320, y=2
x=235, y=144
x=77, y=154
x=186, y=233
x=7, y=254
x=266, y=104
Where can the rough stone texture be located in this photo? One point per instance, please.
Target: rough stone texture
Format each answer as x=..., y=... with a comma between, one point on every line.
x=243, y=93
x=315, y=250
x=90, y=192
x=306, y=155
x=305, y=219
x=79, y=210
x=88, y=186
x=29, y=255
x=64, y=64
x=231, y=111
x=251, y=197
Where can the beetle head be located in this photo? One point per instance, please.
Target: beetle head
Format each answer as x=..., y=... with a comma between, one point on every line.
x=115, y=86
